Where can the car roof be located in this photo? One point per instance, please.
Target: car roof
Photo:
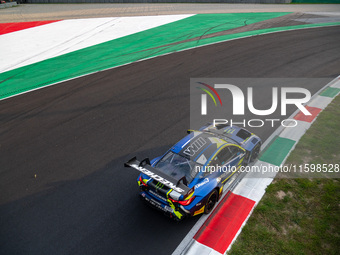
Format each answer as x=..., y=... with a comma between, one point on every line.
x=200, y=146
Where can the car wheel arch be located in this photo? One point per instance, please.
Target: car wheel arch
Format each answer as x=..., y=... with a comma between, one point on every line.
x=208, y=210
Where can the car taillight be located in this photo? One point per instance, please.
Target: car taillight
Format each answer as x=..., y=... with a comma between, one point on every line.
x=183, y=202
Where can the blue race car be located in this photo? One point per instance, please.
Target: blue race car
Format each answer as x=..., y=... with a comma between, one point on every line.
x=189, y=178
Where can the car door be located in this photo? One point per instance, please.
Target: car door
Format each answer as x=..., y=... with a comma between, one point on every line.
x=237, y=155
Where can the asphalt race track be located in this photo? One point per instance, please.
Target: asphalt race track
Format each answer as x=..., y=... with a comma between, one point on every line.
x=64, y=189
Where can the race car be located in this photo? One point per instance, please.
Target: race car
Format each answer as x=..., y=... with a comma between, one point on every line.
x=189, y=178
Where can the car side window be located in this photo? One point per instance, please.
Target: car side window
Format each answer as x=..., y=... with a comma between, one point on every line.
x=225, y=155
x=216, y=161
x=235, y=151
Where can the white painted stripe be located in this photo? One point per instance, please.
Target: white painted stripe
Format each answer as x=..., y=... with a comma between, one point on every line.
x=295, y=133
x=246, y=189
x=336, y=84
x=320, y=102
x=253, y=185
x=47, y=41
x=325, y=13
x=198, y=248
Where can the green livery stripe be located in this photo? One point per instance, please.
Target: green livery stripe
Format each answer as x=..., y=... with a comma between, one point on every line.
x=330, y=92
x=277, y=151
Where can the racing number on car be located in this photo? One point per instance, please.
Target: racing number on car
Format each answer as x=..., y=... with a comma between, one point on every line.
x=195, y=146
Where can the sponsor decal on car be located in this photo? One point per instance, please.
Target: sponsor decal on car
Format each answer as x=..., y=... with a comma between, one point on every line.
x=157, y=178
x=195, y=147
x=157, y=195
x=206, y=180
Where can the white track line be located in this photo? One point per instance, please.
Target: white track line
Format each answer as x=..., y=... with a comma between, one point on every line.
x=39, y=43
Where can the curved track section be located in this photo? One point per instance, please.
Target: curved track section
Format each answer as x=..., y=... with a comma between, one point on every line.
x=63, y=185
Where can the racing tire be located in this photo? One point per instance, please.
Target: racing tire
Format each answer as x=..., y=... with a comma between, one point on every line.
x=210, y=204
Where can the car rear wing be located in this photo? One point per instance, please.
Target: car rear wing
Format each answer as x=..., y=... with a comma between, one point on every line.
x=145, y=168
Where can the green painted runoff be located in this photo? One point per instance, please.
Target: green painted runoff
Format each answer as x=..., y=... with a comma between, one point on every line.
x=157, y=41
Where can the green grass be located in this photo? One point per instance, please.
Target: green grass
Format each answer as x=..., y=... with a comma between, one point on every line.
x=300, y=216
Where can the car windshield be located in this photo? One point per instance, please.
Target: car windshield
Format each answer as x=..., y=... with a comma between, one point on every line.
x=177, y=166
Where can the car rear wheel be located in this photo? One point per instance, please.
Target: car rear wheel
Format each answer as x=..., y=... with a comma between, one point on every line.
x=210, y=204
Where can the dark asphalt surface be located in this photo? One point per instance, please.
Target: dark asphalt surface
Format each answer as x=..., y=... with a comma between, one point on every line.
x=75, y=137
